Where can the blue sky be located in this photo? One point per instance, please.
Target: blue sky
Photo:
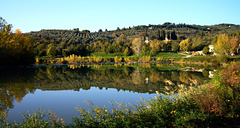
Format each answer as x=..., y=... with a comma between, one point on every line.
x=34, y=15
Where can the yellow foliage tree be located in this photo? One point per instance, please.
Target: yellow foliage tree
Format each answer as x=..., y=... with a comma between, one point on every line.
x=221, y=46
x=122, y=37
x=137, y=45
x=233, y=44
x=185, y=45
x=155, y=46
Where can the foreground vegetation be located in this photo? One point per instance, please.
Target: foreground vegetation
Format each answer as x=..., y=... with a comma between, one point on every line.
x=213, y=104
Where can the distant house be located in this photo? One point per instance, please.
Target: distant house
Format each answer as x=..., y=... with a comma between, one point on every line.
x=211, y=48
x=146, y=40
x=211, y=74
x=196, y=53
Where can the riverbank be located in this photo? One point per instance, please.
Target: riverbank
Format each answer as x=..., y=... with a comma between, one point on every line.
x=169, y=57
x=106, y=58
x=207, y=60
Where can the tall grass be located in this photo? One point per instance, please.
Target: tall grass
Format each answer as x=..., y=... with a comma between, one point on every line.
x=40, y=119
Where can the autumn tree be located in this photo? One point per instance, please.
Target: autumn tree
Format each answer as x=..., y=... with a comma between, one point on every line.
x=114, y=35
x=233, y=45
x=185, y=45
x=15, y=48
x=221, y=45
x=155, y=46
x=108, y=47
x=122, y=37
x=137, y=45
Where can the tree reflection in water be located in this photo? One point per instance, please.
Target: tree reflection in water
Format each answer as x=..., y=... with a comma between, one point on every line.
x=15, y=83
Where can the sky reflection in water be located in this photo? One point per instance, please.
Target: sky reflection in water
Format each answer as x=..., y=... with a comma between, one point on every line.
x=65, y=102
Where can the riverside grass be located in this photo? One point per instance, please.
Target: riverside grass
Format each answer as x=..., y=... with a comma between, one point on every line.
x=213, y=104
x=114, y=57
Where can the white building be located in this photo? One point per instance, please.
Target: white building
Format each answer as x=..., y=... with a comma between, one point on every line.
x=146, y=41
x=211, y=48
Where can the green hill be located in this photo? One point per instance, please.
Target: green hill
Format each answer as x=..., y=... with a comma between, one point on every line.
x=69, y=41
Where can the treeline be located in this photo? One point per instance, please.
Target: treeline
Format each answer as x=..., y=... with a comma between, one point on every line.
x=15, y=48
x=154, y=39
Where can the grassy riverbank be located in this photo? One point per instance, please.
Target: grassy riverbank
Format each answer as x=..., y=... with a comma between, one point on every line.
x=213, y=104
x=144, y=57
x=106, y=58
x=208, y=60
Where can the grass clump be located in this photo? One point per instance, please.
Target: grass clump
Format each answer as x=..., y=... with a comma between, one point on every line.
x=40, y=119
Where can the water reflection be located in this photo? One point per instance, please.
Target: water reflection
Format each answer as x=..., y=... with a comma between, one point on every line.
x=142, y=78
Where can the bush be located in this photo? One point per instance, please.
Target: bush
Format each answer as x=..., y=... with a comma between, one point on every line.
x=159, y=59
x=145, y=59
x=108, y=59
x=117, y=59
x=222, y=58
x=64, y=62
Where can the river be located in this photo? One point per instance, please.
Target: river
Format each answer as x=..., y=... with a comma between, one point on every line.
x=61, y=88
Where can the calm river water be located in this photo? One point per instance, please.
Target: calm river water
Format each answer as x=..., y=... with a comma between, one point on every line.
x=61, y=88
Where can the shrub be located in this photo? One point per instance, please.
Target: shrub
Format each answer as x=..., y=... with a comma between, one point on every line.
x=128, y=59
x=117, y=59
x=159, y=59
x=222, y=58
x=231, y=75
x=145, y=59
x=64, y=62
x=205, y=62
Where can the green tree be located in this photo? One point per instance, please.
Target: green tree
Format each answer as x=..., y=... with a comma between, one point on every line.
x=175, y=46
x=158, y=35
x=205, y=50
x=127, y=51
x=145, y=48
x=173, y=35
x=51, y=50
x=100, y=31
x=162, y=35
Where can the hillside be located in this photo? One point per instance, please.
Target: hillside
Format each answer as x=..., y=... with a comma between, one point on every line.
x=70, y=40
